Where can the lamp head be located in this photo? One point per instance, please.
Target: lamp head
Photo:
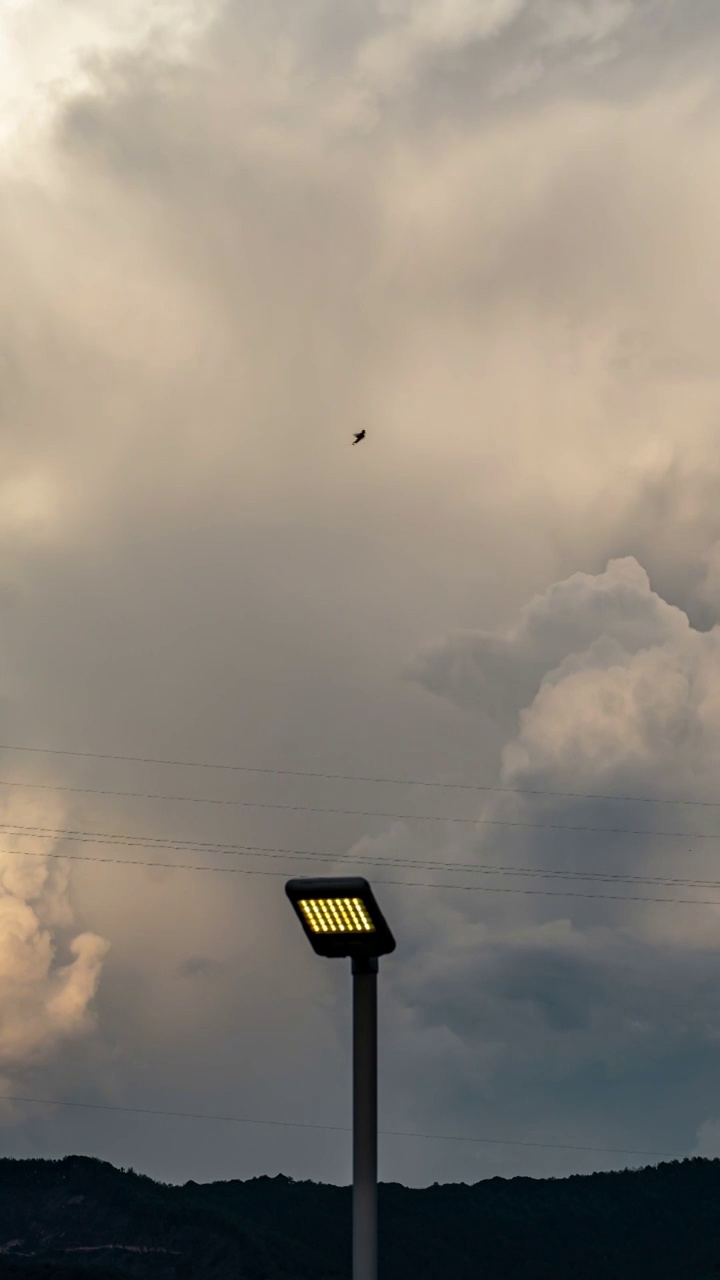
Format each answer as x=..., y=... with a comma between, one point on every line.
x=340, y=916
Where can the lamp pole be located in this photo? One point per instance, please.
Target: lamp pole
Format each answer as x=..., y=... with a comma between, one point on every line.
x=364, y=1247
x=341, y=917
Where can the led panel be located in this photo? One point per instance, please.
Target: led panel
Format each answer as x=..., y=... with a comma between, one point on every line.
x=336, y=915
x=340, y=916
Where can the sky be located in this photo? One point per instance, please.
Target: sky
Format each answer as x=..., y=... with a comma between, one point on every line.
x=488, y=233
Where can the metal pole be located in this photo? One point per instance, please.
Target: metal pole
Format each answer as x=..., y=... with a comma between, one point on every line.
x=365, y=973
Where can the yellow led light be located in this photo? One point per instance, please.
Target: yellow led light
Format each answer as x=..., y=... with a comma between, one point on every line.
x=336, y=915
x=316, y=918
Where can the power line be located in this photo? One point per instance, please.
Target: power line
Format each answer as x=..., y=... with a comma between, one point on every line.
x=243, y=850
x=412, y=884
x=364, y=813
x=338, y=1128
x=217, y=846
x=350, y=777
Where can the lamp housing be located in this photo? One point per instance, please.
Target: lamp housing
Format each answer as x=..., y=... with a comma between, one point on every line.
x=340, y=916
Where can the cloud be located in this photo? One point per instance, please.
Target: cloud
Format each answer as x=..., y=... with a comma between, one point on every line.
x=49, y=973
x=478, y=58
x=616, y=612
x=569, y=22
x=44, y=49
x=708, y=590
x=414, y=33
x=633, y=700
x=576, y=1003
x=485, y=233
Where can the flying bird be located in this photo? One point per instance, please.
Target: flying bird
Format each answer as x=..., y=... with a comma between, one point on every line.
x=359, y=435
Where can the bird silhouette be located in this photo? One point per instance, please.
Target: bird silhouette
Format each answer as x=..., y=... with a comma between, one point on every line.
x=359, y=435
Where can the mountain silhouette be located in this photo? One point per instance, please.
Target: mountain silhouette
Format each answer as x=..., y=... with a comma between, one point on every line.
x=83, y=1219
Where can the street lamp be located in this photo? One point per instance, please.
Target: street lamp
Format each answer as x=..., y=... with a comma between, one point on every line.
x=341, y=917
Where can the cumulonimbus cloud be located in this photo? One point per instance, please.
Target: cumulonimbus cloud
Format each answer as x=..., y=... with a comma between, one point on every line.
x=616, y=694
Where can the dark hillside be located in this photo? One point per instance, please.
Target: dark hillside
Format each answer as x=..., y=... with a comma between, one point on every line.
x=82, y=1219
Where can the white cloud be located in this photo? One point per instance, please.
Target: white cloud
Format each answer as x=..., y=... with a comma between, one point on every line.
x=502, y=670
x=47, y=48
x=630, y=695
